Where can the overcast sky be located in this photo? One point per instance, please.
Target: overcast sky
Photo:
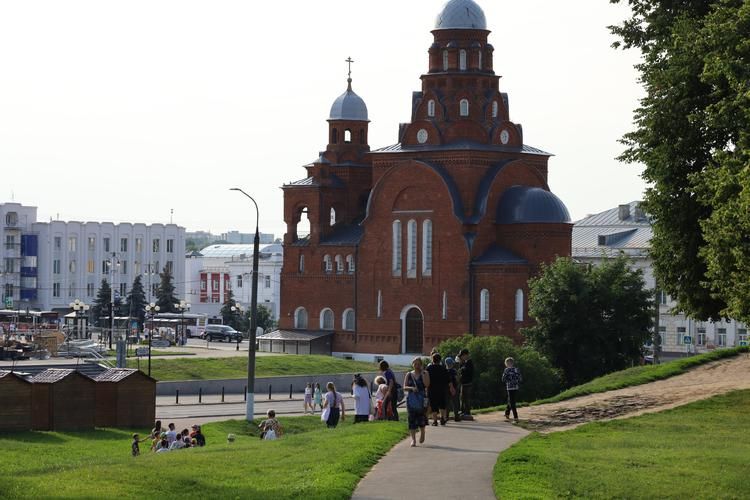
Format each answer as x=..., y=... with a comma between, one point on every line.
x=122, y=111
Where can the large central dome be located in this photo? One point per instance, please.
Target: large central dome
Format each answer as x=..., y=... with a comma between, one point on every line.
x=461, y=14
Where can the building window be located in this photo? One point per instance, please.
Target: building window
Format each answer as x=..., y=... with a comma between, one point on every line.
x=484, y=305
x=72, y=266
x=105, y=242
x=72, y=244
x=326, y=319
x=90, y=288
x=169, y=267
x=445, y=60
x=267, y=281
x=396, y=258
x=462, y=60
x=58, y=243
x=71, y=290
x=136, y=268
x=494, y=109
x=741, y=335
x=92, y=243
x=347, y=136
x=350, y=266
x=327, y=264
x=334, y=136
x=170, y=246
x=155, y=245
x=700, y=338
x=445, y=305
x=105, y=267
x=681, y=333
x=123, y=244
x=239, y=281
x=301, y=264
x=431, y=108
x=139, y=245
x=411, y=251
x=347, y=321
x=300, y=318
x=479, y=54
x=56, y=289
x=379, y=306
x=56, y=266
x=124, y=267
x=362, y=136
x=721, y=338
x=427, y=247
x=90, y=266
x=123, y=290
x=464, y=107
x=519, y=305
x=11, y=219
x=333, y=217
x=663, y=298
x=339, y=264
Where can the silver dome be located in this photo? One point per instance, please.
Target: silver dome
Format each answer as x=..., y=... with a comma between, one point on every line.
x=461, y=14
x=349, y=106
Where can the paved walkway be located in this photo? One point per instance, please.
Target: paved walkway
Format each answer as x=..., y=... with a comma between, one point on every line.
x=455, y=461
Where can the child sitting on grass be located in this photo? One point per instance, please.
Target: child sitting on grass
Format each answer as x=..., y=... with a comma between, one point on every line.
x=270, y=428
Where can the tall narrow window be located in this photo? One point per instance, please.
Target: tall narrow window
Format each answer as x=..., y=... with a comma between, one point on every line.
x=445, y=305
x=411, y=252
x=326, y=319
x=347, y=322
x=267, y=281
x=339, y=264
x=494, y=109
x=396, y=259
x=333, y=216
x=327, y=264
x=334, y=136
x=445, y=60
x=347, y=136
x=300, y=318
x=462, y=60
x=301, y=264
x=431, y=108
x=519, y=305
x=362, y=136
x=379, y=310
x=427, y=247
x=350, y=266
x=239, y=281
x=479, y=63
x=464, y=107
x=484, y=305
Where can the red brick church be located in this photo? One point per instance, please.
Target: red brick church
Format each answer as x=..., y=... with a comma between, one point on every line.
x=432, y=237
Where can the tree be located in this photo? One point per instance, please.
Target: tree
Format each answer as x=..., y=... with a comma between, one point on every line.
x=136, y=301
x=165, y=297
x=102, y=302
x=231, y=318
x=265, y=318
x=589, y=320
x=693, y=137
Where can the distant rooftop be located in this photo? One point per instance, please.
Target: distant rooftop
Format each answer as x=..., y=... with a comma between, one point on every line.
x=229, y=251
x=625, y=228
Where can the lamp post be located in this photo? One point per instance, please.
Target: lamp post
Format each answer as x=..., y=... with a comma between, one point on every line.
x=79, y=308
x=182, y=307
x=151, y=310
x=238, y=309
x=113, y=263
x=250, y=396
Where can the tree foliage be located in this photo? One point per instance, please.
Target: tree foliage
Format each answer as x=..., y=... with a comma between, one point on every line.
x=102, y=303
x=589, y=320
x=165, y=297
x=136, y=301
x=693, y=136
x=231, y=318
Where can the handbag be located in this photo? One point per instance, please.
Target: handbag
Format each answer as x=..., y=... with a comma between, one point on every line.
x=415, y=400
x=325, y=414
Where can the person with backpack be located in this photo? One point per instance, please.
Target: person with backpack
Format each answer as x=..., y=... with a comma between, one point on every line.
x=416, y=384
x=512, y=380
x=392, y=397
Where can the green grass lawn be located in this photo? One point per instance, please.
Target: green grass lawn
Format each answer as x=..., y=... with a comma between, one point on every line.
x=700, y=450
x=309, y=461
x=265, y=366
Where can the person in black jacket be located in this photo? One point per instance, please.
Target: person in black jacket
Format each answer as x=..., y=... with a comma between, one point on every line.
x=466, y=376
x=512, y=380
x=438, y=390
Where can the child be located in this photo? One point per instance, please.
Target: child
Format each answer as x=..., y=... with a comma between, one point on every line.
x=335, y=403
x=270, y=428
x=512, y=379
x=309, y=399
x=135, y=447
x=317, y=397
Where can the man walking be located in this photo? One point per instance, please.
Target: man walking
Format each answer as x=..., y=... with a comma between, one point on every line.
x=466, y=375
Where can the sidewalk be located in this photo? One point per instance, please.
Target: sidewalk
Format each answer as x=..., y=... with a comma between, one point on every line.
x=455, y=461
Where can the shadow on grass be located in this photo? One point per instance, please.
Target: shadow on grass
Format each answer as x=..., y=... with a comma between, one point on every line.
x=32, y=437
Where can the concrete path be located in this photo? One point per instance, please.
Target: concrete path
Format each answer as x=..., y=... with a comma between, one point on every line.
x=455, y=461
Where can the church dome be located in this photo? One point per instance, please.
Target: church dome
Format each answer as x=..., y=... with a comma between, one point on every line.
x=524, y=204
x=461, y=14
x=349, y=106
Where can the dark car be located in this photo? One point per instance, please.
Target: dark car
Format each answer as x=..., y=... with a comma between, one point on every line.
x=222, y=333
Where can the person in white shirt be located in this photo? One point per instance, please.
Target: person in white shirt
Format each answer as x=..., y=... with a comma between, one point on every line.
x=362, y=399
x=171, y=434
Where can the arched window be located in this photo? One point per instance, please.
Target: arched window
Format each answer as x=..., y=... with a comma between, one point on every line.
x=300, y=318
x=519, y=305
x=327, y=264
x=333, y=216
x=396, y=260
x=427, y=247
x=464, y=107
x=347, y=136
x=445, y=305
x=431, y=108
x=411, y=251
x=462, y=60
x=494, y=109
x=362, y=136
x=334, y=136
x=301, y=263
x=339, y=264
x=484, y=305
x=379, y=311
x=350, y=266
x=347, y=321
x=445, y=60
x=479, y=53
x=326, y=319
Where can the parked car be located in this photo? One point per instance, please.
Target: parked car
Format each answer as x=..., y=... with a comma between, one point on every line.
x=222, y=333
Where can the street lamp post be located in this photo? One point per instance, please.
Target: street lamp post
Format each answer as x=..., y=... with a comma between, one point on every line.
x=151, y=310
x=113, y=263
x=79, y=308
x=250, y=396
x=182, y=307
x=238, y=309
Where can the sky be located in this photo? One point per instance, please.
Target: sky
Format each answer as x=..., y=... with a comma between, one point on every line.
x=127, y=111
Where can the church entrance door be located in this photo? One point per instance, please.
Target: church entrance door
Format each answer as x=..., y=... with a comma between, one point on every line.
x=413, y=331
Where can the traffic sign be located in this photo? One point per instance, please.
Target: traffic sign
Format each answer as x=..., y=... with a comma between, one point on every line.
x=687, y=339
x=743, y=343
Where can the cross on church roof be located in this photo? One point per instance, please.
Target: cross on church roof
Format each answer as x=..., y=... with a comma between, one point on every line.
x=349, y=60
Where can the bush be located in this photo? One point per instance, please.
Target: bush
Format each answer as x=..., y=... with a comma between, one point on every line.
x=540, y=379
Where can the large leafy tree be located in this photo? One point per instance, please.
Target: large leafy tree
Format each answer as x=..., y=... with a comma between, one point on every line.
x=265, y=318
x=136, y=301
x=165, y=297
x=692, y=135
x=589, y=320
x=102, y=303
x=230, y=317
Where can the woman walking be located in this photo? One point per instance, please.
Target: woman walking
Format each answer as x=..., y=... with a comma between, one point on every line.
x=416, y=383
x=335, y=403
x=317, y=397
x=438, y=391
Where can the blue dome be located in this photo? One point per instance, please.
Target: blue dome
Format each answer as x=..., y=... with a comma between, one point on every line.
x=524, y=204
x=461, y=14
x=349, y=106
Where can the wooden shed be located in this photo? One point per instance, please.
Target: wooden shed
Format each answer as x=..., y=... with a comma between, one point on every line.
x=125, y=398
x=61, y=400
x=15, y=402
x=297, y=342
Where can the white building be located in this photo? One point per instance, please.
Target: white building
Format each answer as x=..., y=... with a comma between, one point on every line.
x=216, y=269
x=626, y=229
x=50, y=264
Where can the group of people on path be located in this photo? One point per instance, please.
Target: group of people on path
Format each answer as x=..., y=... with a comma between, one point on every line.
x=169, y=439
